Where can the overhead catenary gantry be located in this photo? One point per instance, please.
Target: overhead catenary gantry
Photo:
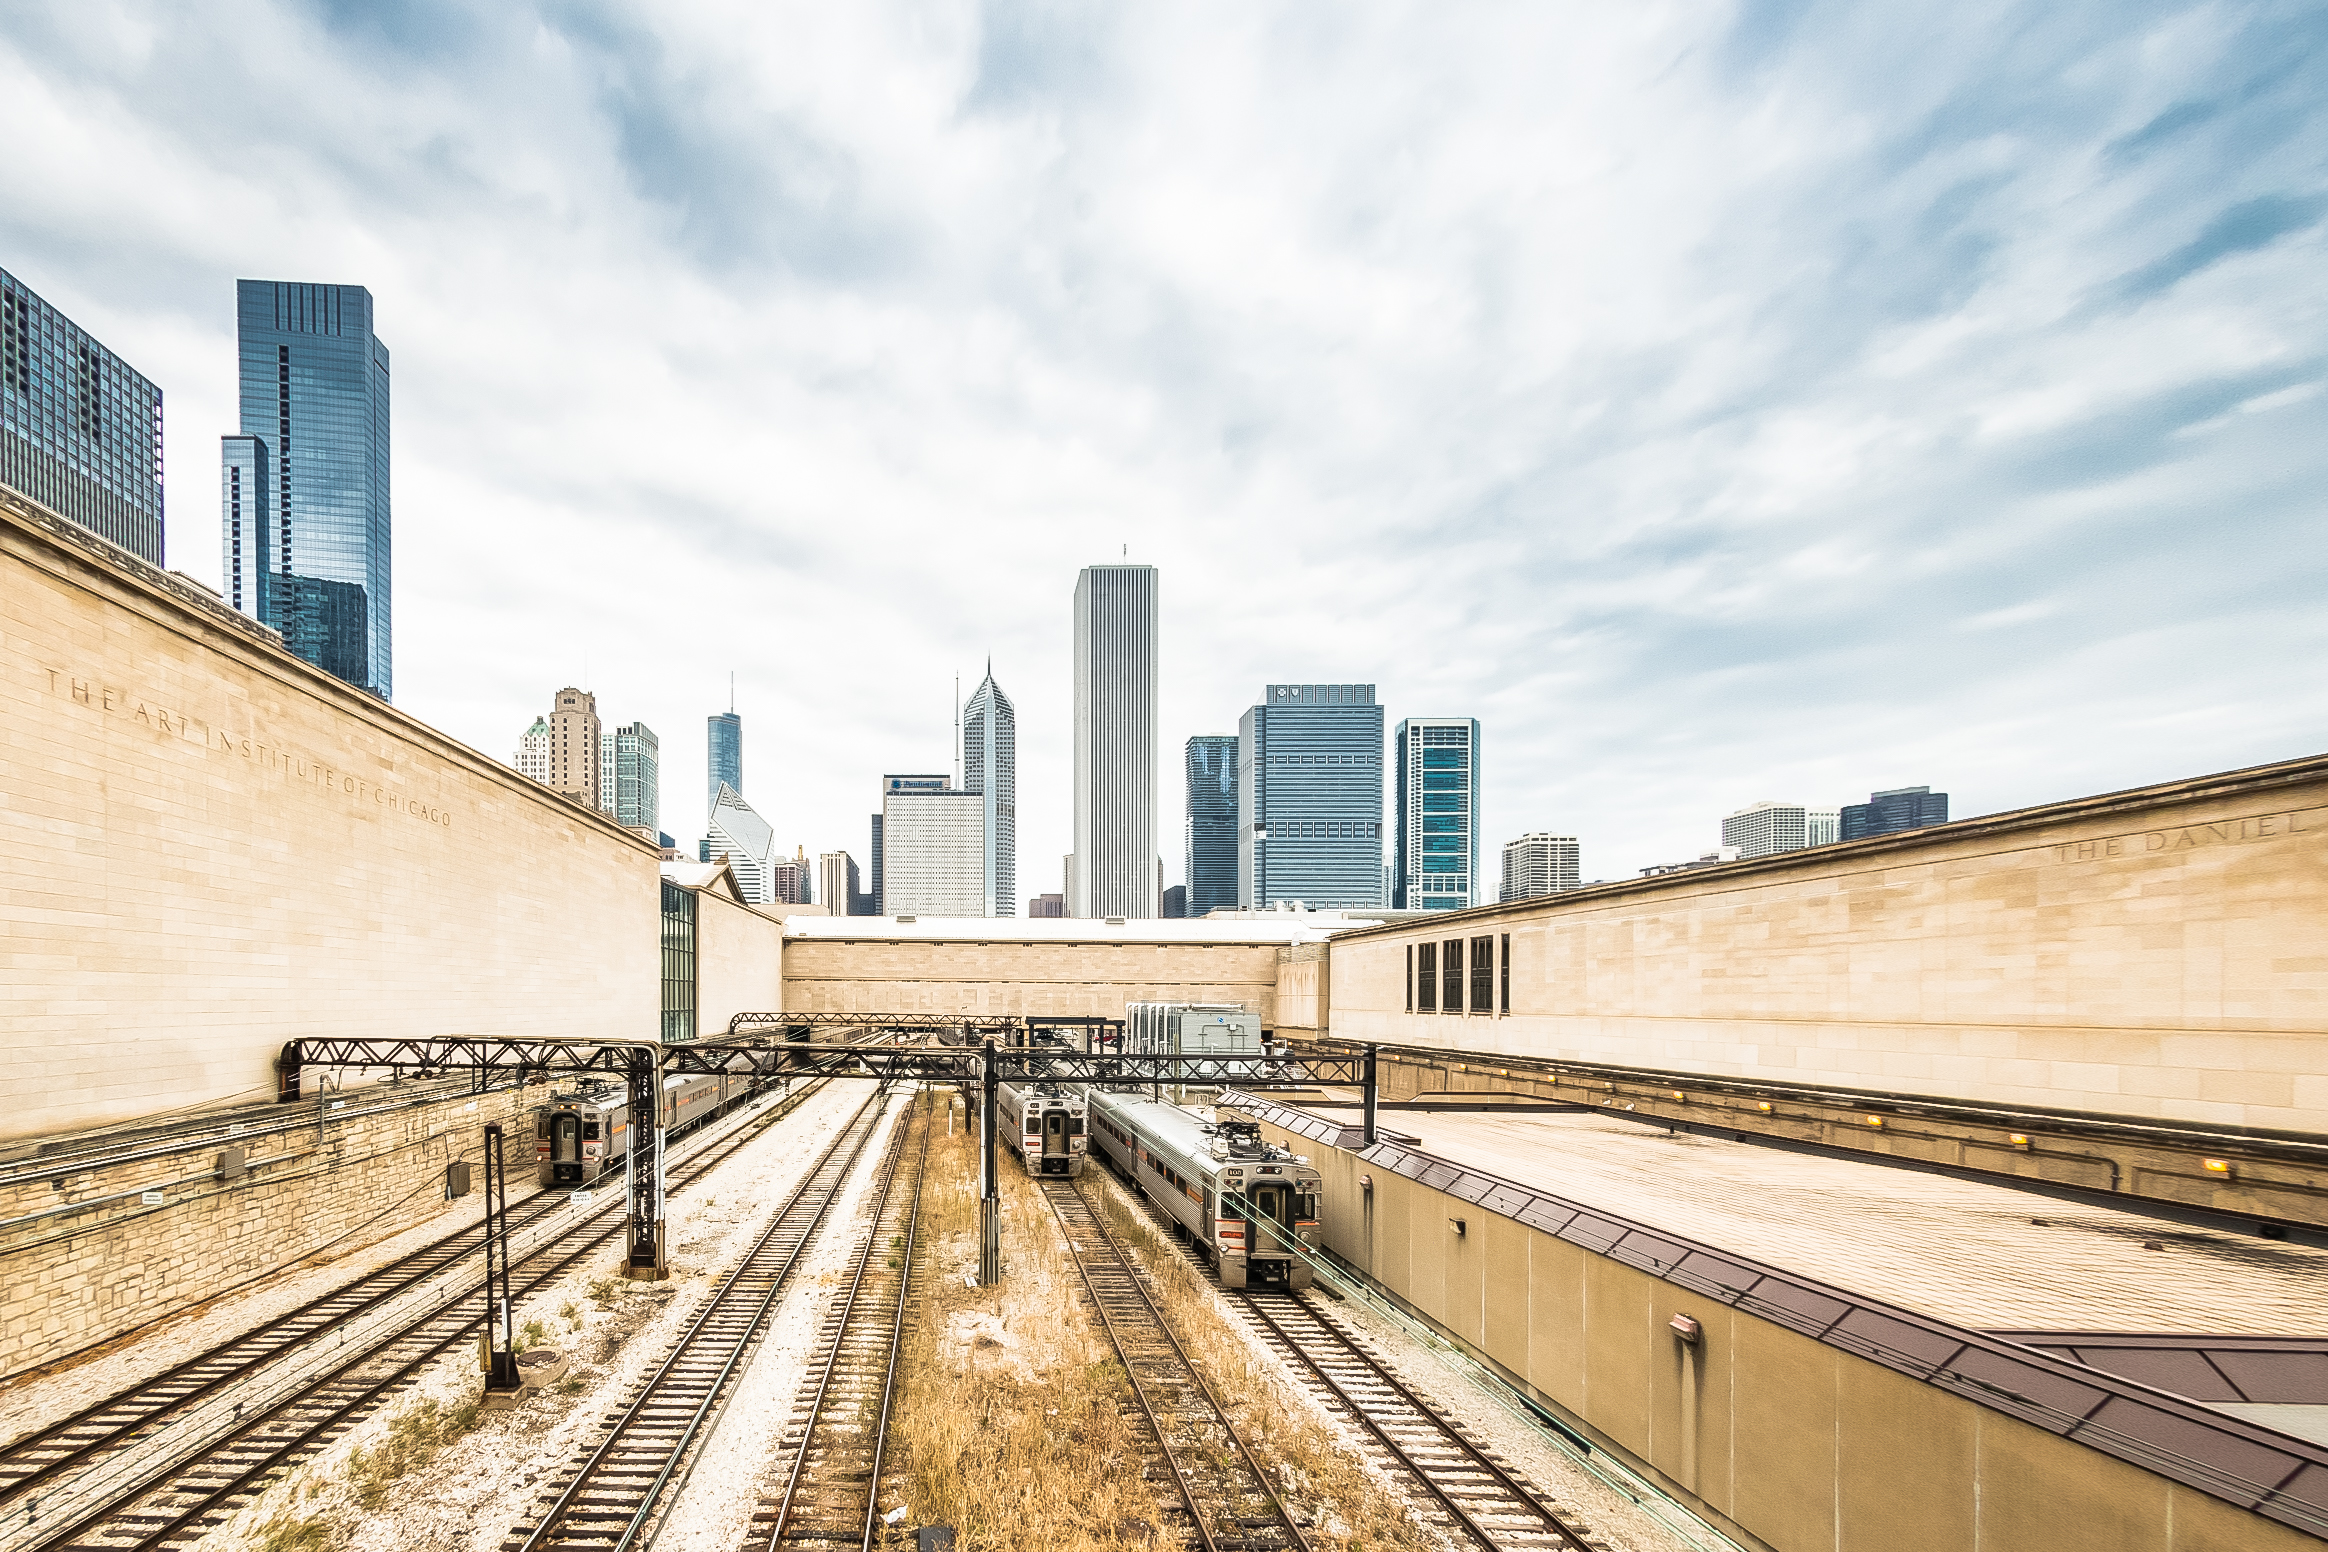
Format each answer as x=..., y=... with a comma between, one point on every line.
x=971, y=1051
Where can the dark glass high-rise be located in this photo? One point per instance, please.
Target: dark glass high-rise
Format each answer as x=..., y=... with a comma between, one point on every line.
x=80, y=429
x=1212, y=823
x=305, y=495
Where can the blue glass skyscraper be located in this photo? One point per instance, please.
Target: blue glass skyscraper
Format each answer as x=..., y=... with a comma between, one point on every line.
x=1309, y=797
x=304, y=505
x=1436, y=863
x=1212, y=823
x=80, y=430
x=724, y=733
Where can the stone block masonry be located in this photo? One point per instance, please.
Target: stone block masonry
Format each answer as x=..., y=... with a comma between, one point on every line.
x=89, y=1256
x=209, y=847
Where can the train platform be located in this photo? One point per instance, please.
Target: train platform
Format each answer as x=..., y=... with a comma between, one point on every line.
x=2122, y=1290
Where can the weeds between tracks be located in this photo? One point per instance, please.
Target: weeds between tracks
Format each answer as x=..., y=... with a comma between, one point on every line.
x=1016, y=1425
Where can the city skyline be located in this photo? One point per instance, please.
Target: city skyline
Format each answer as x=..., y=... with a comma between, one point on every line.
x=1895, y=424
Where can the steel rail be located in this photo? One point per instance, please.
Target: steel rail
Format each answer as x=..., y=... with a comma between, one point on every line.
x=822, y=1402
x=1060, y=1194
x=158, y=1528
x=717, y=1328
x=149, y=1401
x=1446, y=1435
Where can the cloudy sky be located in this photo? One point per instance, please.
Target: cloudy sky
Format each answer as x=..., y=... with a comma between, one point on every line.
x=1720, y=401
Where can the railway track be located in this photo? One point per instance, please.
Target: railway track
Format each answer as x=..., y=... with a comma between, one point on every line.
x=1471, y=1494
x=839, y=1435
x=1229, y=1504
x=618, y=1491
x=123, y=1488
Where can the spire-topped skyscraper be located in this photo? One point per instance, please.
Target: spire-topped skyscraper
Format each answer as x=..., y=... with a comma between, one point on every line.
x=990, y=768
x=724, y=766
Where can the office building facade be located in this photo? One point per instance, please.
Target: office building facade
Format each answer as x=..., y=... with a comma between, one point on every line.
x=736, y=831
x=1309, y=797
x=791, y=880
x=1899, y=808
x=1822, y=826
x=838, y=884
x=80, y=429
x=1047, y=906
x=724, y=752
x=575, y=735
x=1435, y=846
x=990, y=770
x=1212, y=824
x=1540, y=864
x=630, y=777
x=889, y=784
x=1115, y=742
x=533, y=751
x=307, y=546
x=933, y=853
x=1766, y=829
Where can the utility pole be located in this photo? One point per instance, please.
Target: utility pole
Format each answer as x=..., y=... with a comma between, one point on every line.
x=989, y=1190
x=501, y=1376
x=643, y=1259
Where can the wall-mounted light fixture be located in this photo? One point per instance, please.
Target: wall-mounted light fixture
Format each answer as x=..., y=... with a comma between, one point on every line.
x=1366, y=1184
x=1686, y=1328
x=1459, y=1226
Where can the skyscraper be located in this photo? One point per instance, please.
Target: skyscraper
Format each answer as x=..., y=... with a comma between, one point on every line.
x=533, y=751
x=305, y=507
x=1115, y=742
x=736, y=831
x=630, y=778
x=1435, y=866
x=1540, y=864
x=574, y=741
x=791, y=880
x=838, y=884
x=889, y=784
x=724, y=737
x=1896, y=808
x=990, y=769
x=933, y=844
x=80, y=431
x=1309, y=797
x=1212, y=823
x=1767, y=829
x=873, y=894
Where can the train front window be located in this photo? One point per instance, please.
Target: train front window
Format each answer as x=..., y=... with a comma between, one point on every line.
x=590, y=1131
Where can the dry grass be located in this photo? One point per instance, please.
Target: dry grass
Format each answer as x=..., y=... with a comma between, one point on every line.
x=412, y=1441
x=1015, y=1422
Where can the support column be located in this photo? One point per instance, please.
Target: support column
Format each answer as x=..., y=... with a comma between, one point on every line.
x=643, y=1259
x=501, y=1376
x=989, y=1189
x=1373, y=1092
x=287, y=1074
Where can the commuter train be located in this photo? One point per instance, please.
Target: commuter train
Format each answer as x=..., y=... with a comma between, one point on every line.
x=1045, y=1123
x=581, y=1137
x=1247, y=1204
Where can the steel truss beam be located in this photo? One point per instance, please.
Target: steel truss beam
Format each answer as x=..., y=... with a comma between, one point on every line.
x=767, y=1056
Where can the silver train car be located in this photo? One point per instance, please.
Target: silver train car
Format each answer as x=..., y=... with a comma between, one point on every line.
x=1246, y=1204
x=1046, y=1125
x=582, y=1137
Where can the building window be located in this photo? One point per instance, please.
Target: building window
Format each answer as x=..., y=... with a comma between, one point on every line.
x=1410, y=978
x=1451, y=976
x=678, y=962
x=1427, y=977
x=1504, y=969
x=1483, y=975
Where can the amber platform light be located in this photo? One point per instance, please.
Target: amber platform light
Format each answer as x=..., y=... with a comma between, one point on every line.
x=1677, y=1094
x=1763, y=1106
x=2220, y=1167
x=1876, y=1122
x=2018, y=1139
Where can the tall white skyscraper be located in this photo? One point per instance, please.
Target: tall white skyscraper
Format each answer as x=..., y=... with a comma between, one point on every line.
x=1435, y=866
x=533, y=751
x=737, y=832
x=990, y=769
x=1766, y=829
x=1539, y=864
x=933, y=852
x=1115, y=743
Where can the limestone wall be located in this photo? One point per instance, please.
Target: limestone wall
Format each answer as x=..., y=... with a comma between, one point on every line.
x=2155, y=953
x=996, y=976
x=209, y=848
x=86, y=1256
x=739, y=962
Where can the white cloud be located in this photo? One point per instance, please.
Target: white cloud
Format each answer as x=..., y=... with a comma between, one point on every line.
x=1690, y=396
